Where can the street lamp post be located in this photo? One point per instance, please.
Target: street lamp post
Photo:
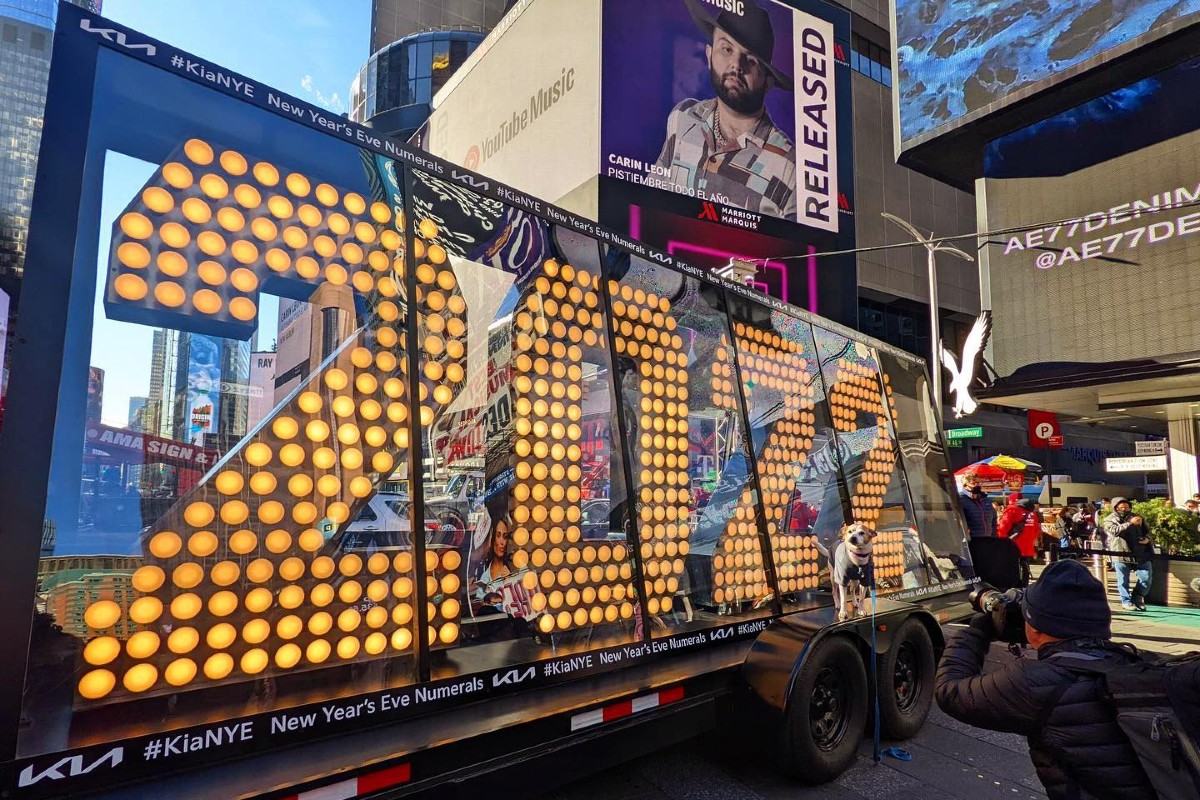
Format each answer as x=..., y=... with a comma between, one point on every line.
x=935, y=332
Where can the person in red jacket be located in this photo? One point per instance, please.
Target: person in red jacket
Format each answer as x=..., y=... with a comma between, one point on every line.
x=1022, y=524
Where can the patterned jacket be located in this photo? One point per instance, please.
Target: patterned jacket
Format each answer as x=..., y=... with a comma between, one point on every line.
x=756, y=171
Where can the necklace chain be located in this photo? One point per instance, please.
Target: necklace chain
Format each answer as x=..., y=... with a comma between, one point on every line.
x=720, y=137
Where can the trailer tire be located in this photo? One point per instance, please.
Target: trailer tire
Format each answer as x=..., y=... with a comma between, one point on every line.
x=826, y=713
x=906, y=673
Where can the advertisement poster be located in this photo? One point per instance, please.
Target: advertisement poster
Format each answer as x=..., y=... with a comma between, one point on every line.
x=262, y=387
x=727, y=101
x=204, y=387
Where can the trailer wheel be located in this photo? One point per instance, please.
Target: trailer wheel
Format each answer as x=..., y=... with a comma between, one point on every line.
x=826, y=713
x=906, y=673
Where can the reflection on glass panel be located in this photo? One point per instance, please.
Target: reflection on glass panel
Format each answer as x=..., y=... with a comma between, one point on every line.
x=794, y=448
x=228, y=545
x=859, y=403
x=522, y=459
x=926, y=468
x=696, y=515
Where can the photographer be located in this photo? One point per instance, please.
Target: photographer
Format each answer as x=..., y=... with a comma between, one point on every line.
x=1074, y=741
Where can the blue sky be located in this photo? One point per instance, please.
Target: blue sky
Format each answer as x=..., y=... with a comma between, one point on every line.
x=307, y=48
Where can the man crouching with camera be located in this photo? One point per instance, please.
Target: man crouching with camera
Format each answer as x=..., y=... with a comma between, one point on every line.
x=1074, y=741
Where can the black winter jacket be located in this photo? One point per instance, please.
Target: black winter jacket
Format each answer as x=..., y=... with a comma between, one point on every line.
x=1076, y=746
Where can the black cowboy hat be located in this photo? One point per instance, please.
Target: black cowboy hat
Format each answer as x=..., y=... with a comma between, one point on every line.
x=751, y=29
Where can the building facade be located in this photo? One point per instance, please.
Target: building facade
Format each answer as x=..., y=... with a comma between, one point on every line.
x=392, y=20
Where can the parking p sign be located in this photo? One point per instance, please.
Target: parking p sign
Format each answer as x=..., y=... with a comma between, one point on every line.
x=1044, y=430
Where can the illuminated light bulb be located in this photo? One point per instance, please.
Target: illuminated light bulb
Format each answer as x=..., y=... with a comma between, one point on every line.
x=338, y=512
x=158, y=199
x=210, y=243
x=130, y=287
x=309, y=402
x=326, y=194
x=133, y=255
x=348, y=620
x=287, y=656
x=375, y=643
x=214, y=186
x=142, y=644
x=234, y=512
x=371, y=410
x=342, y=405
x=101, y=650
x=450, y=608
x=390, y=240
x=221, y=636
x=448, y=633
x=243, y=251
x=231, y=219
x=263, y=482
x=186, y=606
x=382, y=462
x=443, y=394
x=199, y=514
x=96, y=684
x=334, y=273
x=291, y=455
x=147, y=579
x=258, y=454
x=546, y=623
x=218, y=666
x=324, y=458
x=223, y=603
x=352, y=253
x=317, y=651
x=352, y=458
x=380, y=213
x=329, y=485
x=248, y=197
x=265, y=173
x=259, y=570
x=206, y=301
x=202, y=543
x=180, y=672
x=296, y=238
x=300, y=485
x=279, y=206
x=402, y=587
x=187, y=575
x=366, y=383
x=145, y=610
x=229, y=482
x=199, y=151
x=177, y=175
x=375, y=436
x=258, y=600
x=309, y=215
x=378, y=261
x=336, y=379
x=263, y=228
x=285, y=427
x=171, y=263
x=349, y=592
x=348, y=433
x=278, y=260
x=232, y=162
x=426, y=416
x=437, y=254
x=271, y=512
x=364, y=232
x=387, y=311
x=401, y=639
x=297, y=184
x=242, y=308
x=311, y=540
x=254, y=661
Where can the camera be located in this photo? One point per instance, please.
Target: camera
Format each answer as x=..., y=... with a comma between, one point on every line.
x=1008, y=623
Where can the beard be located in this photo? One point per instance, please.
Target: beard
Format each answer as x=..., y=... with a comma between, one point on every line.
x=739, y=97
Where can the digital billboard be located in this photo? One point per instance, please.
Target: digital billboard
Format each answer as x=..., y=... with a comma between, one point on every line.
x=733, y=102
x=1093, y=274
x=954, y=58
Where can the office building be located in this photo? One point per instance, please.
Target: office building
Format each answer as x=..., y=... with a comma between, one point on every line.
x=392, y=20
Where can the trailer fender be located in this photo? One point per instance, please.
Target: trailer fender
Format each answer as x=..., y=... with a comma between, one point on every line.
x=777, y=655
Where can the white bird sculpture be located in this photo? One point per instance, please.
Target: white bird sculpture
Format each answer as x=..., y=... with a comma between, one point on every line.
x=961, y=378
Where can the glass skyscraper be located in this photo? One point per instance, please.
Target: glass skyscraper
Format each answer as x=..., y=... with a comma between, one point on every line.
x=26, y=32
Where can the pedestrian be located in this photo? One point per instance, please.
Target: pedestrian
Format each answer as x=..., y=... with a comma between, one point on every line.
x=1064, y=526
x=1103, y=511
x=1075, y=743
x=1126, y=532
x=980, y=514
x=1021, y=524
x=1192, y=507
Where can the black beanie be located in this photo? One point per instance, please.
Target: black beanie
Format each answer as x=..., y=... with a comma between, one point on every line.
x=1067, y=601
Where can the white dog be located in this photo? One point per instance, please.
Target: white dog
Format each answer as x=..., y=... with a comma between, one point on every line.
x=853, y=570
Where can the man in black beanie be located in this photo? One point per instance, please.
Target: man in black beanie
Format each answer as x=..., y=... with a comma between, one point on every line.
x=1074, y=741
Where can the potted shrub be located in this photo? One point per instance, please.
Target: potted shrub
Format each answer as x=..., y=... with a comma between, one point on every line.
x=1175, y=533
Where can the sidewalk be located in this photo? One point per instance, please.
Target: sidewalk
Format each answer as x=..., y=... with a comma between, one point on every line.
x=1160, y=629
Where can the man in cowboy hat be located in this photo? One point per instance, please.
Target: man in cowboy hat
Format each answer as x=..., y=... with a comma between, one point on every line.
x=728, y=147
